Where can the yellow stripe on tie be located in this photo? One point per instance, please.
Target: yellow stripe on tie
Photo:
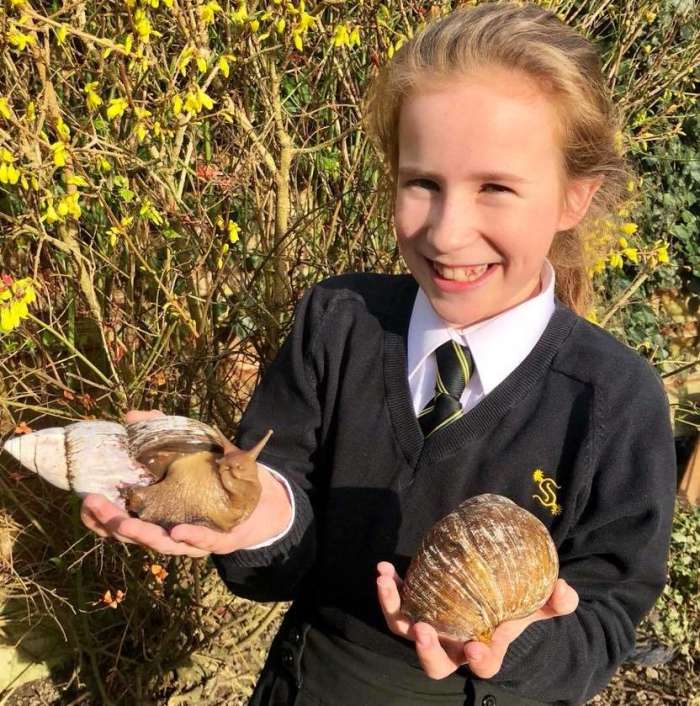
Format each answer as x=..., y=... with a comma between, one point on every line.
x=463, y=362
x=425, y=411
x=438, y=381
x=457, y=413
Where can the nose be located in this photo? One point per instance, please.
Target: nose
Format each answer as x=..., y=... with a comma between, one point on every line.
x=453, y=224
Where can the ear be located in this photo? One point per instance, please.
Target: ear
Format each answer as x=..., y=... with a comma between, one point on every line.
x=577, y=199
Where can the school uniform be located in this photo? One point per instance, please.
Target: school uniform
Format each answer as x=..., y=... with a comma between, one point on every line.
x=560, y=417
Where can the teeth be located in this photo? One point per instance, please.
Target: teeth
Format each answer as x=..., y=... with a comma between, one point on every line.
x=460, y=274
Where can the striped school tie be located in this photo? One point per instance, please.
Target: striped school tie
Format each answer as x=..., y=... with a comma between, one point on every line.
x=454, y=368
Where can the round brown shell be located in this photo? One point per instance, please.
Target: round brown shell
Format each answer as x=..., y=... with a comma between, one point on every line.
x=488, y=561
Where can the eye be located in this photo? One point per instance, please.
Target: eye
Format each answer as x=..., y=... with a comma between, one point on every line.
x=423, y=184
x=498, y=187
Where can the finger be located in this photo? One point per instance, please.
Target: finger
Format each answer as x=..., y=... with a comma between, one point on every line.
x=390, y=602
x=386, y=568
x=563, y=601
x=197, y=536
x=131, y=529
x=97, y=511
x=435, y=661
x=484, y=660
x=141, y=415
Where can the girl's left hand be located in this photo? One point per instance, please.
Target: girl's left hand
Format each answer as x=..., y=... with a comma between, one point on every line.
x=440, y=656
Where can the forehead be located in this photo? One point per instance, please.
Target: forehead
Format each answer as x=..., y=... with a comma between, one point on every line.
x=486, y=122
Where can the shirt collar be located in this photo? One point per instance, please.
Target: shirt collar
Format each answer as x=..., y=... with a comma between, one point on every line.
x=498, y=344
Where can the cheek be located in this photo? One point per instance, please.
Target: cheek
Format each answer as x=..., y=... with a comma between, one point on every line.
x=410, y=215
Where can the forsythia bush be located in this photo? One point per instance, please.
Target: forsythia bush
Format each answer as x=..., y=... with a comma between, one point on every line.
x=173, y=174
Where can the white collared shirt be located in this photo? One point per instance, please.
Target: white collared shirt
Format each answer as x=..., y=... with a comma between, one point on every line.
x=498, y=345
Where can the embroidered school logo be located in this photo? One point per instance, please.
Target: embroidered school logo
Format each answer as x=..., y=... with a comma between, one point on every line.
x=547, y=495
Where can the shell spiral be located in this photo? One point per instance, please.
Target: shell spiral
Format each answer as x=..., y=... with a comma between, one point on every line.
x=487, y=561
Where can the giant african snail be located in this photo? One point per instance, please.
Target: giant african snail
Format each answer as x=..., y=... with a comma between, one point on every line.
x=486, y=562
x=166, y=470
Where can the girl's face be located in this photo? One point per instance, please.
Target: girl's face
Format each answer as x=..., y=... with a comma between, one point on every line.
x=479, y=194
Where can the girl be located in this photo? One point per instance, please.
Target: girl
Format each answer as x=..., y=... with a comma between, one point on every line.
x=499, y=141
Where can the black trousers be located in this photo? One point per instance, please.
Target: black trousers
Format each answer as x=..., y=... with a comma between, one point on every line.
x=308, y=666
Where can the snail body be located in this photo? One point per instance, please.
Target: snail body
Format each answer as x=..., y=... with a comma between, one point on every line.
x=487, y=561
x=166, y=470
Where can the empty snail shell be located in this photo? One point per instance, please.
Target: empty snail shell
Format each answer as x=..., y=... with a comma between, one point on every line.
x=488, y=561
x=166, y=470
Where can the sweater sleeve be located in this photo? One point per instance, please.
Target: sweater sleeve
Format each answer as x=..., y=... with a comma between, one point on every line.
x=285, y=401
x=614, y=557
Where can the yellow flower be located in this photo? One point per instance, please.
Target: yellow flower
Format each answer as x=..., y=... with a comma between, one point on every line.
x=93, y=99
x=76, y=181
x=298, y=42
x=240, y=15
x=59, y=154
x=186, y=55
x=177, y=105
x=223, y=66
x=8, y=174
x=341, y=36
x=50, y=216
x=119, y=230
x=537, y=475
x=197, y=100
x=254, y=25
x=117, y=107
x=15, y=296
x=629, y=228
x=68, y=205
x=142, y=24
x=201, y=64
x=631, y=254
x=233, y=230
x=662, y=253
x=61, y=34
x=208, y=11
x=280, y=25
x=616, y=260
x=20, y=39
x=5, y=109
x=104, y=165
x=62, y=130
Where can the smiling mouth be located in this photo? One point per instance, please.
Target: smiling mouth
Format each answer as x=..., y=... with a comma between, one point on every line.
x=461, y=273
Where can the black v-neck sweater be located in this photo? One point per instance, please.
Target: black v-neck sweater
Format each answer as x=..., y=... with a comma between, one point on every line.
x=579, y=434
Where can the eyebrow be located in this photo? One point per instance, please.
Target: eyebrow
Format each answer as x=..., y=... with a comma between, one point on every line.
x=480, y=176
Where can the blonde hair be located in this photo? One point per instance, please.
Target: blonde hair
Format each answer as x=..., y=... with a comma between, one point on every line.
x=567, y=69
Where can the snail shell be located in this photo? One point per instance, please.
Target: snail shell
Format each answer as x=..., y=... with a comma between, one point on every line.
x=167, y=470
x=487, y=561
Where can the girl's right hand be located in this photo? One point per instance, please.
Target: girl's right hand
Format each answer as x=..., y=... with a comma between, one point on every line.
x=269, y=518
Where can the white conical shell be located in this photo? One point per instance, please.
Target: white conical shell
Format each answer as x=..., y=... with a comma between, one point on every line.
x=45, y=450
x=86, y=457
